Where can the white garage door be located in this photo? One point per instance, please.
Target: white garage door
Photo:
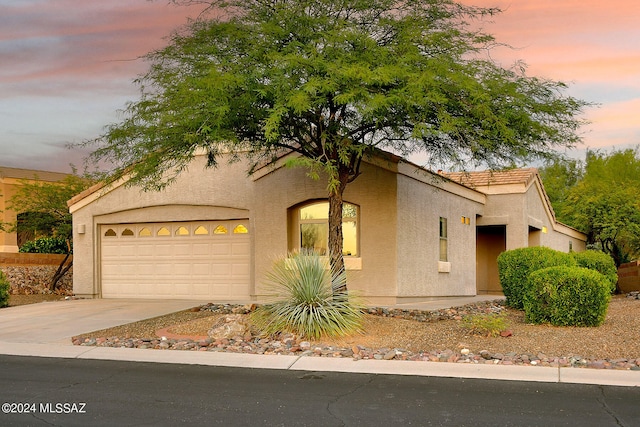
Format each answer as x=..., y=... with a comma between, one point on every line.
x=178, y=260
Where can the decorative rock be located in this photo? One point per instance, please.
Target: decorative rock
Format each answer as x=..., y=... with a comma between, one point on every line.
x=229, y=326
x=346, y=353
x=389, y=355
x=486, y=355
x=289, y=344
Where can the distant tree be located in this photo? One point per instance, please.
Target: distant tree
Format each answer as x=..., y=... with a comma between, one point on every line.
x=42, y=206
x=560, y=176
x=333, y=81
x=603, y=202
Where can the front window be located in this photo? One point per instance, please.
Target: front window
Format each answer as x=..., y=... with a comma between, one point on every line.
x=313, y=222
x=443, y=239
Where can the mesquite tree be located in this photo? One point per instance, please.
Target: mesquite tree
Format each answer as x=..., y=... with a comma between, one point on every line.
x=333, y=81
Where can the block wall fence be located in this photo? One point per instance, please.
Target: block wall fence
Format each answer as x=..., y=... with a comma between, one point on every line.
x=629, y=276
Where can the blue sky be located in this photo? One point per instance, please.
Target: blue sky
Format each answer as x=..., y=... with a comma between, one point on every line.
x=68, y=66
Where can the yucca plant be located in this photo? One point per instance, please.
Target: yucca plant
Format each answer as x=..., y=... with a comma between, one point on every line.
x=304, y=300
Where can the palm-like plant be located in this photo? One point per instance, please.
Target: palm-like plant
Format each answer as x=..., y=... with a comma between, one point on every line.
x=305, y=300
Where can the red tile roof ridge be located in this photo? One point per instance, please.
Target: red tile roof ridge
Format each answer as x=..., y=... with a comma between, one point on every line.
x=493, y=177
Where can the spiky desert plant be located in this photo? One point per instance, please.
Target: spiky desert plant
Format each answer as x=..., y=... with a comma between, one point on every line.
x=304, y=300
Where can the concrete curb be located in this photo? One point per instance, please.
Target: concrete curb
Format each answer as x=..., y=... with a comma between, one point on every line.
x=325, y=364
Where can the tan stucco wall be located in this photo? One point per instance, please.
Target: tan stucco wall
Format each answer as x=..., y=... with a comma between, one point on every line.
x=10, y=180
x=8, y=241
x=399, y=211
x=419, y=208
x=520, y=211
x=373, y=192
x=227, y=193
x=558, y=236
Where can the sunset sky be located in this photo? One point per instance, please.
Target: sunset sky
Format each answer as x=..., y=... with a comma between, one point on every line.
x=67, y=66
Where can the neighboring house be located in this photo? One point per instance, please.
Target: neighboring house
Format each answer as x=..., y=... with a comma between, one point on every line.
x=410, y=235
x=10, y=180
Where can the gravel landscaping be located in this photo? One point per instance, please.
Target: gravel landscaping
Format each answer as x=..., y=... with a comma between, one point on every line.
x=432, y=336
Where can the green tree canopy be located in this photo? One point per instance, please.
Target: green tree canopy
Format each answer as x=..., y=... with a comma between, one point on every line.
x=333, y=81
x=559, y=176
x=45, y=203
x=601, y=199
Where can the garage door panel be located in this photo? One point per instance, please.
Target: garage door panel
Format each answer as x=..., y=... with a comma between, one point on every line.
x=158, y=262
x=147, y=250
x=181, y=249
x=239, y=249
x=240, y=270
x=201, y=249
x=181, y=270
x=164, y=249
x=221, y=270
x=220, y=249
x=201, y=270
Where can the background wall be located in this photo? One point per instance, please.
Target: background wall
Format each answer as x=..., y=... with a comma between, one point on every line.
x=31, y=273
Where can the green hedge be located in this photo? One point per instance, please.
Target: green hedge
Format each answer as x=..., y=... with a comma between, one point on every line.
x=4, y=290
x=45, y=245
x=514, y=267
x=601, y=262
x=567, y=296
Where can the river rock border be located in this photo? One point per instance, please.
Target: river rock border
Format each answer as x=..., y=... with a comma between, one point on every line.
x=288, y=344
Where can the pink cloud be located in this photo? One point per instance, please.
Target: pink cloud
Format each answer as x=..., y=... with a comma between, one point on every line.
x=91, y=40
x=556, y=30
x=616, y=123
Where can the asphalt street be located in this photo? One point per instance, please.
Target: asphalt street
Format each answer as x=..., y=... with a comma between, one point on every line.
x=38, y=391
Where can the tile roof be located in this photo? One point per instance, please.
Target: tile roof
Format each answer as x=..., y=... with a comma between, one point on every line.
x=488, y=178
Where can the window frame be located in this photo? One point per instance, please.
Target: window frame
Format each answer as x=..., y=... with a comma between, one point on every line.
x=298, y=222
x=443, y=247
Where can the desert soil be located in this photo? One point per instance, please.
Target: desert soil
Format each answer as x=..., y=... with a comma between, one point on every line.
x=618, y=338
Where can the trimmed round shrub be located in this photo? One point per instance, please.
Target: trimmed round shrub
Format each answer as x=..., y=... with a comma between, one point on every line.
x=601, y=262
x=4, y=290
x=514, y=267
x=567, y=296
x=305, y=300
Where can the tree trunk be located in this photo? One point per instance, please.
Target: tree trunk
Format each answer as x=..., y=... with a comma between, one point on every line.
x=335, y=230
x=59, y=274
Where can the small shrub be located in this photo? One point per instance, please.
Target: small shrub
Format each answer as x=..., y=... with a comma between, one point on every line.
x=567, y=296
x=601, y=262
x=4, y=290
x=46, y=245
x=304, y=302
x=489, y=325
x=514, y=267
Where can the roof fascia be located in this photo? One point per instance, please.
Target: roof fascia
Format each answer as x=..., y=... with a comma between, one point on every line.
x=93, y=193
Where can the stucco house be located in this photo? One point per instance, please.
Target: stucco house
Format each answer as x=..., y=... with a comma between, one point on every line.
x=10, y=180
x=410, y=234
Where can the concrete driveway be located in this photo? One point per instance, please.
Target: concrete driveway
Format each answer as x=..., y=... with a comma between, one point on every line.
x=56, y=322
